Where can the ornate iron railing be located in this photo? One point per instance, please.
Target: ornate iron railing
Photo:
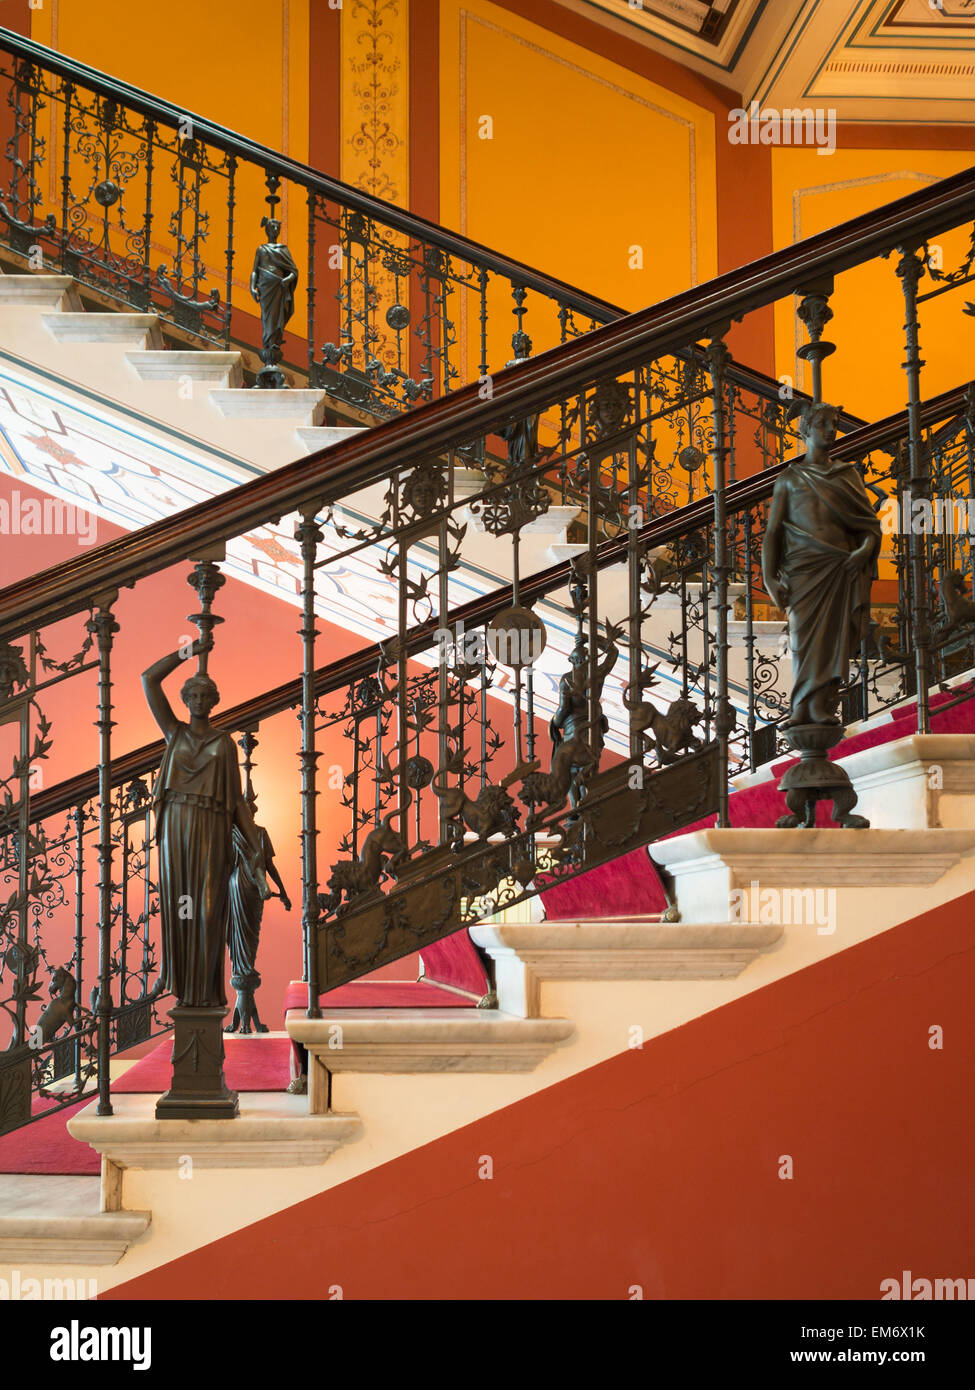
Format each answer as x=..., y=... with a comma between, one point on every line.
x=154, y=208
x=455, y=801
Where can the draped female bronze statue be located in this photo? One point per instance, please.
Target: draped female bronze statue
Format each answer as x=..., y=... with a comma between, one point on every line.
x=819, y=559
x=273, y=281
x=250, y=874
x=199, y=802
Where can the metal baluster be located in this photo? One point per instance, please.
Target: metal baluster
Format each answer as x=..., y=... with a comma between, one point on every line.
x=910, y=268
x=718, y=356
x=78, y=816
x=104, y=627
x=229, y=282
x=309, y=534
x=312, y=370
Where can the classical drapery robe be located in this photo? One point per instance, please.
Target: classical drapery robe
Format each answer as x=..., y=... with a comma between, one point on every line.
x=272, y=263
x=196, y=796
x=247, y=900
x=829, y=608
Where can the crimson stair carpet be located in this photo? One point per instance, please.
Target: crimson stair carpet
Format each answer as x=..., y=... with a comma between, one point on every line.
x=633, y=879
x=252, y=1064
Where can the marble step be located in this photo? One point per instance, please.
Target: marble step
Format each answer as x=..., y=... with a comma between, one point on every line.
x=924, y=781
x=48, y=1219
x=711, y=868
x=221, y=367
x=39, y=292
x=273, y=1130
x=304, y=407
x=424, y=1040
x=767, y=637
x=317, y=437
x=105, y=328
x=614, y=948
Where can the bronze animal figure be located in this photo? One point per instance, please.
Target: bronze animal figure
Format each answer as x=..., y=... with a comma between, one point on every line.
x=572, y=761
x=492, y=812
x=61, y=1008
x=358, y=876
x=673, y=732
x=959, y=607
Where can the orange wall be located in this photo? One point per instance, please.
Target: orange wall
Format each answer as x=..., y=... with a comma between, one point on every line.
x=660, y=1168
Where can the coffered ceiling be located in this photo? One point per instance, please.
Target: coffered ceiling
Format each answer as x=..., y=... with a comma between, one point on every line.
x=905, y=61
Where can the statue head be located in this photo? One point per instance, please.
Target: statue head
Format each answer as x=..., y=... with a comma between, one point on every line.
x=272, y=227
x=817, y=424
x=199, y=694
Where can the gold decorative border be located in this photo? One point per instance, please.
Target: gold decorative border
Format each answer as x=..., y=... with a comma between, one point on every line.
x=375, y=111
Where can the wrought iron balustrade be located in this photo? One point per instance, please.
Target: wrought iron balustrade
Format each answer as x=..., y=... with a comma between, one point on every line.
x=153, y=208
x=456, y=798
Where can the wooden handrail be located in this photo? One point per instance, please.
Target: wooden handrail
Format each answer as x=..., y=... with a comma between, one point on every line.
x=409, y=223
x=742, y=494
x=332, y=474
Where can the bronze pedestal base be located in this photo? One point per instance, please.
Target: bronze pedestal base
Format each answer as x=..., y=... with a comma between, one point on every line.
x=246, y=983
x=198, y=1090
x=815, y=778
x=271, y=378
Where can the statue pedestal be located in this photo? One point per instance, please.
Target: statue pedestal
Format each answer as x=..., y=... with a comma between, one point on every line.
x=815, y=778
x=271, y=378
x=198, y=1090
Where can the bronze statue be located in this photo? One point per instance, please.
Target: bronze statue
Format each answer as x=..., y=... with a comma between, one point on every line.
x=959, y=608
x=576, y=746
x=63, y=990
x=491, y=813
x=819, y=559
x=272, y=284
x=246, y=913
x=198, y=802
x=355, y=877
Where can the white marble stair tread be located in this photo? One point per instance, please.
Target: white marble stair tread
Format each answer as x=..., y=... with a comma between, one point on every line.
x=273, y=1130
x=628, y=948
x=712, y=868
x=428, y=1040
x=923, y=781
x=104, y=328
x=765, y=634
x=39, y=291
x=256, y=403
x=174, y=365
x=49, y=1219
x=315, y=437
x=811, y=858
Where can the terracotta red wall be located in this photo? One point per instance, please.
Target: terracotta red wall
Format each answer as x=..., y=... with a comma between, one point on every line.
x=660, y=1167
x=256, y=647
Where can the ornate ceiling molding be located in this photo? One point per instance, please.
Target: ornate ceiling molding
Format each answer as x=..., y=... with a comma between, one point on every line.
x=907, y=62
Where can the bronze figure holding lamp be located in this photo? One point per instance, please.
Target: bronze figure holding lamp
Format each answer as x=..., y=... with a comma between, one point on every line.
x=199, y=803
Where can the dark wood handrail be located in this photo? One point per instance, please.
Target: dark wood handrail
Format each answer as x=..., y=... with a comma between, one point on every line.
x=332, y=474
x=411, y=224
x=742, y=494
